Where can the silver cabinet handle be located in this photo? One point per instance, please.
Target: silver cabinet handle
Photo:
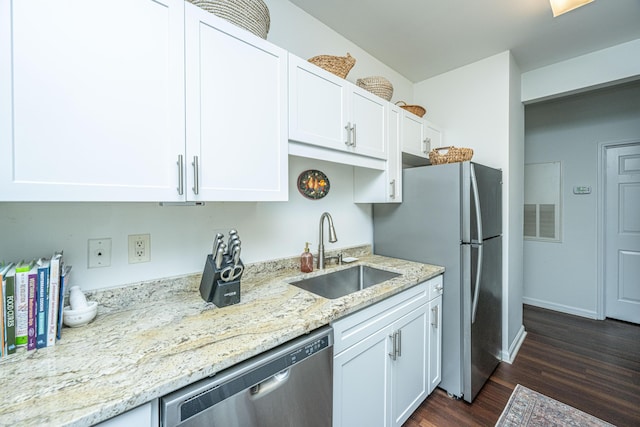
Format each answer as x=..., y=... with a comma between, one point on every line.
x=399, y=350
x=196, y=183
x=434, y=310
x=393, y=189
x=348, y=141
x=394, y=342
x=426, y=145
x=355, y=137
x=180, y=175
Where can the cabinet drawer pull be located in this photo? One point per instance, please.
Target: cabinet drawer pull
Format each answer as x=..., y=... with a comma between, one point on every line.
x=394, y=341
x=196, y=183
x=393, y=189
x=180, y=175
x=426, y=144
x=434, y=310
x=355, y=137
x=399, y=351
x=348, y=141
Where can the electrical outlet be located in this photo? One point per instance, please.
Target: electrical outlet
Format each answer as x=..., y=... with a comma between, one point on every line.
x=139, y=248
x=99, y=253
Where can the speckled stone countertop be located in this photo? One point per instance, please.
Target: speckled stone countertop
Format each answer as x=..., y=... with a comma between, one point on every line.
x=155, y=337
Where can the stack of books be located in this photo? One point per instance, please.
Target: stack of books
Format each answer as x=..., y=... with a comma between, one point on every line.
x=32, y=300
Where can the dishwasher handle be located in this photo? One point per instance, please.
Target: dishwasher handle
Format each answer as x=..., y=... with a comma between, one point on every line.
x=270, y=384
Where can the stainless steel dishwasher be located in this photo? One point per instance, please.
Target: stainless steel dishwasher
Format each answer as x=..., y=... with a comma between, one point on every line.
x=290, y=385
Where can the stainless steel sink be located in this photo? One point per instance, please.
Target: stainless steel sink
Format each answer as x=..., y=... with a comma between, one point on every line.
x=343, y=282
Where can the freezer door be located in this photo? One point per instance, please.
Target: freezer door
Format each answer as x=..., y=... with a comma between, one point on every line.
x=482, y=278
x=486, y=185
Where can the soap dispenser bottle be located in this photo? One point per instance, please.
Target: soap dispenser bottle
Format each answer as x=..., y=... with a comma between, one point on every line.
x=306, y=260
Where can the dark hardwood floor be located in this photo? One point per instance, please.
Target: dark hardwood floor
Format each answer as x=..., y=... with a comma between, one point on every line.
x=592, y=365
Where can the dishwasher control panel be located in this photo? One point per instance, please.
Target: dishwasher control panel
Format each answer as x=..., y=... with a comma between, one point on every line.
x=307, y=350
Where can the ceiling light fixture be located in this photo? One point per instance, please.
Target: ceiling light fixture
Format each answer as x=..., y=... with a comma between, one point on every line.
x=562, y=6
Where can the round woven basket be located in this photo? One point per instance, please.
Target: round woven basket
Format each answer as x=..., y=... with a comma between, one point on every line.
x=449, y=155
x=338, y=65
x=415, y=109
x=377, y=85
x=252, y=15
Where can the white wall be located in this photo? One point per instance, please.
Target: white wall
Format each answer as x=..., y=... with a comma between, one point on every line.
x=601, y=68
x=564, y=276
x=478, y=107
x=181, y=236
x=306, y=37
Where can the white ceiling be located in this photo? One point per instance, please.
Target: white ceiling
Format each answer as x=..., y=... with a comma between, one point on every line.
x=423, y=38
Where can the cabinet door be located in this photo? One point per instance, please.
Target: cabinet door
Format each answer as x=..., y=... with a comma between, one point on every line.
x=91, y=99
x=236, y=113
x=435, y=343
x=360, y=383
x=375, y=186
x=317, y=105
x=368, y=122
x=413, y=135
x=409, y=370
x=144, y=415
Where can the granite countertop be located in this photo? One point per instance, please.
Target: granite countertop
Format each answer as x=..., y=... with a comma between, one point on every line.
x=155, y=337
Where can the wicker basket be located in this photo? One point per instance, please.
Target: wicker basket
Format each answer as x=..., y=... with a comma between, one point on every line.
x=252, y=15
x=452, y=155
x=415, y=109
x=338, y=65
x=377, y=85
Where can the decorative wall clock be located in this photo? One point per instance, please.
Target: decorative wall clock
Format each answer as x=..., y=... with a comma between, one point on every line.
x=313, y=184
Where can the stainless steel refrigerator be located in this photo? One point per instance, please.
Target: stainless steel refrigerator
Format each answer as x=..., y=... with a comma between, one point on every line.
x=451, y=215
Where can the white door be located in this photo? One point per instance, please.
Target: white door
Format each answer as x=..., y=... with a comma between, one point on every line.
x=317, y=105
x=91, y=99
x=236, y=109
x=410, y=365
x=368, y=121
x=622, y=233
x=360, y=383
x=435, y=343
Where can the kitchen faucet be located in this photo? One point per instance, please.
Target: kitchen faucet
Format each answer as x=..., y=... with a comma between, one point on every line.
x=332, y=238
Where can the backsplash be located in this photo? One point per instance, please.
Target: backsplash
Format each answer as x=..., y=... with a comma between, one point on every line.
x=181, y=236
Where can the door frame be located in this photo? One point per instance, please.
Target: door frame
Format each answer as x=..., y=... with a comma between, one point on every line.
x=600, y=257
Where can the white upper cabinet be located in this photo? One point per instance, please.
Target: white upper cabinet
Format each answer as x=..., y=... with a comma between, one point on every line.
x=419, y=136
x=331, y=113
x=96, y=109
x=93, y=96
x=375, y=186
x=236, y=107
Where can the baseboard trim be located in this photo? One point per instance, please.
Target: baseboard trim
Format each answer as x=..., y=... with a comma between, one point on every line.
x=510, y=356
x=590, y=314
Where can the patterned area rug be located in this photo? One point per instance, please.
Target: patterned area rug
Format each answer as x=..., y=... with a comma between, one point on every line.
x=529, y=408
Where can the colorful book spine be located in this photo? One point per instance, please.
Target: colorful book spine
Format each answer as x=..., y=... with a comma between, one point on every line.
x=3, y=271
x=33, y=308
x=43, y=302
x=54, y=305
x=9, y=310
x=22, y=303
x=64, y=281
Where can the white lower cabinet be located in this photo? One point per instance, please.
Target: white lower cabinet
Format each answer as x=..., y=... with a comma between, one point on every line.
x=383, y=358
x=142, y=416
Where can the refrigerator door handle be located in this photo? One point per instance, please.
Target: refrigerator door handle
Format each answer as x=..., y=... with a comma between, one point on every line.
x=476, y=201
x=476, y=291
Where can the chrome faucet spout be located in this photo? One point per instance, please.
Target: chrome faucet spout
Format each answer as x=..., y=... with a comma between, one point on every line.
x=332, y=237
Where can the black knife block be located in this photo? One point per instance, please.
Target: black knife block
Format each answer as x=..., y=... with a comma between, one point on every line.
x=214, y=289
